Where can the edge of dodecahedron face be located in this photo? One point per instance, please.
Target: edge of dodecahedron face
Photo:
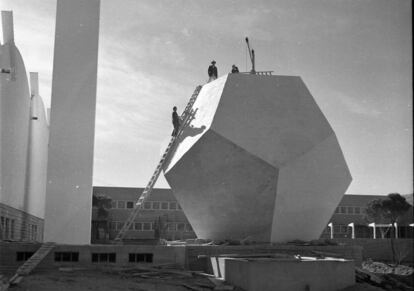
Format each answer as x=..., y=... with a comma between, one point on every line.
x=273, y=117
x=220, y=188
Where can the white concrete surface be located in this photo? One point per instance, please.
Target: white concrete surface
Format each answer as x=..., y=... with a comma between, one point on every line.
x=38, y=146
x=72, y=123
x=289, y=275
x=224, y=191
x=309, y=189
x=7, y=26
x=207, y=101
x=259, y=159
x=272, y=117
x=14, y=120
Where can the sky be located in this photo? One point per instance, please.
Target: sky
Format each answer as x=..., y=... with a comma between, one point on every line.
x=355, y=57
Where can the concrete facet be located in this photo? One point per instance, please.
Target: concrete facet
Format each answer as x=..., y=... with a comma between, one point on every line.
x=259, y=160
x=227, y=201
x=309, y=189
x=272, y=117
x=72, y=123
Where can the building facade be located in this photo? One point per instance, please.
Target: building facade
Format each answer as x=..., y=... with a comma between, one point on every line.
x=349, y=220
x=161, y=217
x=163, y=205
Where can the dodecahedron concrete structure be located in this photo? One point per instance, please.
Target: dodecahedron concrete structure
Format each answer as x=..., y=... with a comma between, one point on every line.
x=258, y=160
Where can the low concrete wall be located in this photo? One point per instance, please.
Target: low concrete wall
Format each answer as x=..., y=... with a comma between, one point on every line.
x=161, y=255
x=184, y=256
x=380, y=249
x=350, y=252
x=289, y=275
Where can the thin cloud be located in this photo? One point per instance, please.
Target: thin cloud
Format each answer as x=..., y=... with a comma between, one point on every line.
x=357, y=105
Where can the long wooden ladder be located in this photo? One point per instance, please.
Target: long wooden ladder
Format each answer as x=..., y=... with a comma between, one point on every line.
x=186, y=118
x=31, y=263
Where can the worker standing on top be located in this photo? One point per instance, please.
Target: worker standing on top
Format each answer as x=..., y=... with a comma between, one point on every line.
x=234, y=69
x=212, y=71
x=175, y=121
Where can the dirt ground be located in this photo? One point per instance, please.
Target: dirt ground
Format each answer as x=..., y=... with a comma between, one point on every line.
x=86, y=280
x=103, y=281
x=168, y=278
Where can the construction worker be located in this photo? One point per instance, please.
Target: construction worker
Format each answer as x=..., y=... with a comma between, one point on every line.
x=175, y=121
x=212, y=71
x=234, y=69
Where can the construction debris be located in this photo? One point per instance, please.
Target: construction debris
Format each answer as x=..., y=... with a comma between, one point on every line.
x=4, y=285
x=70, y=269
x=382, y=268
x=385, y=281
x=179, y=276
x=192, y=287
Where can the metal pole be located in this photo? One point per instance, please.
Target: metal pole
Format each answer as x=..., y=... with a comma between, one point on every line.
x=352, y=226
x=396, y=229
x=251, y=53
x=331, y=229
x=374, y=232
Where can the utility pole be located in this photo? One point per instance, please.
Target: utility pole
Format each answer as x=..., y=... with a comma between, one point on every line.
x=252, y=57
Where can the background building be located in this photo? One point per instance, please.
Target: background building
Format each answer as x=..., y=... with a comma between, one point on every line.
x=351, y=209
x=161, y=214
x=162, y=204
x=23, y=145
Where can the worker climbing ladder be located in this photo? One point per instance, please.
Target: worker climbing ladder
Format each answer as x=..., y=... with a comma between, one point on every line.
x=186, y=118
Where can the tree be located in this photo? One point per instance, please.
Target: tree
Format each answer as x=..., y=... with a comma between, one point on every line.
x=102, y=220
x=388, y=210
x=103, y=203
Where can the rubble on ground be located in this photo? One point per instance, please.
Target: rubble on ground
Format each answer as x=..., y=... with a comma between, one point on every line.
x=387, y=277
x=172, y=274
x=382, y=268
x=3, y=283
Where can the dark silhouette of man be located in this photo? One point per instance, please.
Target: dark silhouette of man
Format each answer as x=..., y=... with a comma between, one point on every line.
x=212, y=71
x=175, y=121
x=234, y=69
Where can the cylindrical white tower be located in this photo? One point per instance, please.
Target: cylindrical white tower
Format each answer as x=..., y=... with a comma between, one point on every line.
x=39, y=138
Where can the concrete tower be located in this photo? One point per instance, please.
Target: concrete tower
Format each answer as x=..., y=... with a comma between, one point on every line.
x=72, y=123
x=14, y=119
x=38, y=146
x=258, y=160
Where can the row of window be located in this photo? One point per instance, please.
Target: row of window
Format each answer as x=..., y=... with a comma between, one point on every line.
x=350, y=210
x=95, y=257
x=8, y=226
x=149, y=226
x=149, y=205
x=338, y=228
x=341, y=228
x=32, y=232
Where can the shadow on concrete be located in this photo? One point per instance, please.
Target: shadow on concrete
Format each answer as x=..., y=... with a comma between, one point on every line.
x=191, y=131
x=187, y=131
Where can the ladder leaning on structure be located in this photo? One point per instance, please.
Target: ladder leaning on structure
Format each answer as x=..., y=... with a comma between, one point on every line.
x=32, y=262
x=186, y=117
